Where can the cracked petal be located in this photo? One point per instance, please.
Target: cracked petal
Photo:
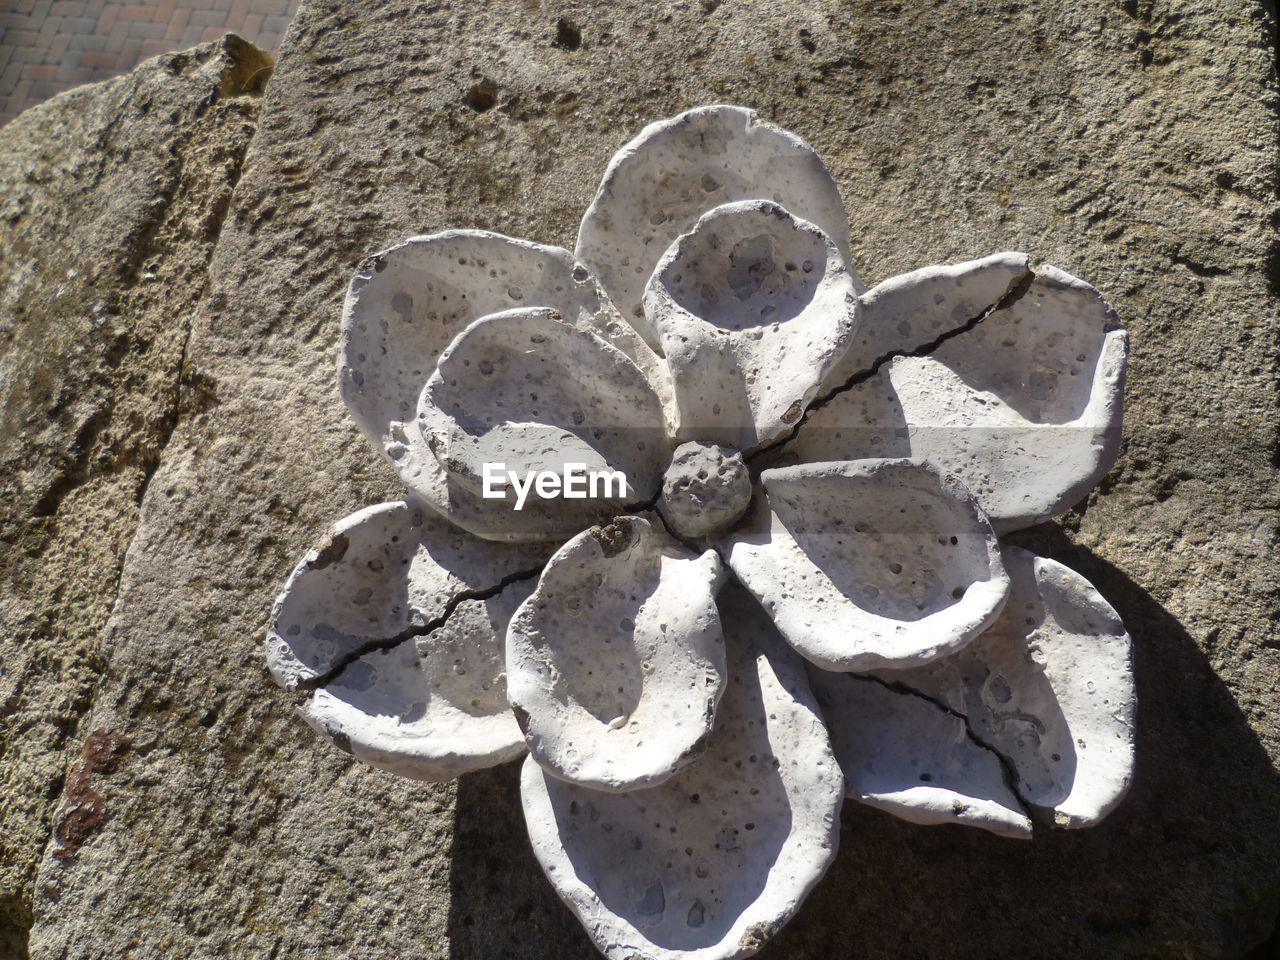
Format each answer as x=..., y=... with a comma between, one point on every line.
x=526, y=391
x=386, y=574
x=407, y=303
x=754, y=307
x=434, y=707
x=1049, y=686
x=660, y=183
x=870, y=563
x=1025, y=407
x=912, y=758
x=616, y=662
x=712, y=863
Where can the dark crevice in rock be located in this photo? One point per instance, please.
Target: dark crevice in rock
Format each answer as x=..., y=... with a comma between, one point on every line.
x=374, y=645
x=1007, y=769
x=1011, y=296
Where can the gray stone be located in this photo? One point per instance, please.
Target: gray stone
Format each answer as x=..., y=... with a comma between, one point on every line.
x=111, y=200
x=1130, y=144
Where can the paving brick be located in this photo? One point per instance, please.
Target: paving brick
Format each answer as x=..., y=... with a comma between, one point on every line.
x=40, y=71
x=152, y=48
x=208, y=18
x=277, y=25
x=147, y=31
x=68, y=8
x=87, y=41
x=92, y=59
x=44, y=89
x=58, y=48
x=68, y=72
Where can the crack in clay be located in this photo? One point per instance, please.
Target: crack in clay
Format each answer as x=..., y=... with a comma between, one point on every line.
x=1017, y=288
x=385, y=644
x=1007, y=770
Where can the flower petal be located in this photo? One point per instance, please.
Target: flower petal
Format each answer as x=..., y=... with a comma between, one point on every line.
x=406, y=304
x=870, y=563
x=1025, y=408
x=1049, y=686
x=527, y=392
x=754, y=307
x=712, y=863
x=659, y=184
x=910, y=757
x=388, y=574
x=616, y=662
x=432, y=707
x=907, y=311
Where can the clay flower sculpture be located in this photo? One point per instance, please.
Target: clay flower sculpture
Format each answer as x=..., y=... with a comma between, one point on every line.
x=793, y=592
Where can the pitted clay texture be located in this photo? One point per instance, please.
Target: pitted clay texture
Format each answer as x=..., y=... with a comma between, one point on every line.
x=872, y=562
x=659, y=184
x=616, y=662
x=815, y=481
x=753, y=306
x=706, y=489
x=705, y=865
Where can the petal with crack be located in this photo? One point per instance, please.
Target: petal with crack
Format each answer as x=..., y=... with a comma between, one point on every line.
x=616, y=662
x=659, y=184
x=1050, y=686
x=525, y=393
x=388, y=574
x=913, y=758
x=754, y=307
x=870, y=563
x=709, y=865
x=1025, y=407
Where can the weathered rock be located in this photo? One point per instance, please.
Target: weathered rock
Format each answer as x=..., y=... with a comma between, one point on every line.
x=111, y=200
x=1130, y=144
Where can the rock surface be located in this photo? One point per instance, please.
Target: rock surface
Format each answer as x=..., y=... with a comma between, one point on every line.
x=111, y=200
x=1129, y=143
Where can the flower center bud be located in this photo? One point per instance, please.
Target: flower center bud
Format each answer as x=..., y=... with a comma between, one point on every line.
x=705, y=490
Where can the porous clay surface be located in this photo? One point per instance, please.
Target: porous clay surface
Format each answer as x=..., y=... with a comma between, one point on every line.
x=422, y=689
x=1026, y=409
x=706, y=489
x=617, y=661
x=911, y=757
x=525, y=389
x=432, y=707
x=709, y=864
x=752, y=307
x=658, y=185
x=872, y=562
x=1050, y=686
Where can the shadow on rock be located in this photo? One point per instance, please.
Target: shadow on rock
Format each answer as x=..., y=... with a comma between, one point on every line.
x=1185, y=867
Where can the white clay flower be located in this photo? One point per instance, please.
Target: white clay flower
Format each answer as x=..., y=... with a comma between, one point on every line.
x=810, y=467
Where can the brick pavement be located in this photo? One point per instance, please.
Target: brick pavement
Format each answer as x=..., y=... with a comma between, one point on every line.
x=47, y=46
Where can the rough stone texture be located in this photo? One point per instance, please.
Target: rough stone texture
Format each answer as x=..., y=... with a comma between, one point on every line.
x=1131, y=143
x=111, y=200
